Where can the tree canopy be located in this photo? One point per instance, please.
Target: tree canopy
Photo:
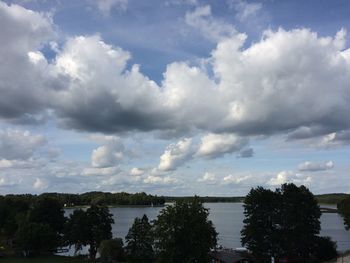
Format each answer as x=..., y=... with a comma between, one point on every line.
x=47, y=210
x=344, y=210
x=261, y=226
x=89, y=227
x=140, y=241
x=35, y=238
x=183, y=233
x=35, y=225
x=282, y=223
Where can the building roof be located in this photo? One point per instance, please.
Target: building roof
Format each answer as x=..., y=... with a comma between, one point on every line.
x=230, y=256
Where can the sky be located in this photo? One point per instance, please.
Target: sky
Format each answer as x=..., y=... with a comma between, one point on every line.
x=174, y=97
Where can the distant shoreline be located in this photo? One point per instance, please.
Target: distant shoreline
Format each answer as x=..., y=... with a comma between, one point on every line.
x=323, y=209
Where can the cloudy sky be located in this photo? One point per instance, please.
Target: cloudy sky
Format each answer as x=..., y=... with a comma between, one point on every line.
x=174, y=97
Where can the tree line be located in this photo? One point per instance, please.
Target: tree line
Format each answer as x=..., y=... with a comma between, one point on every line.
x=89, y=198
x=182, y=231
x=207, y=199
x=283, y=224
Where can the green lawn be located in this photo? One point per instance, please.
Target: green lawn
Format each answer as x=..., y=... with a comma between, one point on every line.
x=48, y=259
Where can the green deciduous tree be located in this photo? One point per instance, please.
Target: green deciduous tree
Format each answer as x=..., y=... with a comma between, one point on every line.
x=300, y=221
x=76, y=230
x=90, y=228
x=12, y=209
x=35, y=238
x=38, y=228
x=47, y=210
x=140, y=241
x=261, y=224
x=183, y=233
x=281, y=223
x=344, y=210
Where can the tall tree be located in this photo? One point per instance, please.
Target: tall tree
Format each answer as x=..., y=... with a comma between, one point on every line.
x=76, y=230
x=344, y=210
x=183, y=233
x=89, y=227
x=300, y=221
x=140, y=241
x=283, y=223
x=261, y=231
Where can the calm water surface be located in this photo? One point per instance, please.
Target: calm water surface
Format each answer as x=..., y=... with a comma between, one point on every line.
x=228, y=221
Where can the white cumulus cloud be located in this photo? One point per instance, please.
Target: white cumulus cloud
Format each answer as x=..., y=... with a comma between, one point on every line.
x=108, y=155
x=316, y=166
x=208, y=178
x=19, y=144
x=201, y=18
x=157, y=180
x=215, y=145
x=289, y=177
x=236, y=179
x=175, y=155
x=136, y=171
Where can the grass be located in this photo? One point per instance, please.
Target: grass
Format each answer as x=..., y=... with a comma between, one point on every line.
x=46, y=259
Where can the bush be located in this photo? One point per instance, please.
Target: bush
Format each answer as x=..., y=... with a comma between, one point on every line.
x=326, y=249
x=111, y=250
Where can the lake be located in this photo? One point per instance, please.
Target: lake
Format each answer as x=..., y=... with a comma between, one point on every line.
x=228, y=221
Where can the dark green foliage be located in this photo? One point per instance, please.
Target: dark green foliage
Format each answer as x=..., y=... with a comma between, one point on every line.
x=35, y=238
x=261, y=227
x=34, y=225
x=300, y=220
x=344, y=210
x=64, y=199
x=101, y=198
x=100, y=227
x=97, y=198
x=111, y=250
x=140, y=241
x=12, y=209
x=325, y=249
x=89, y=227
x=284, y=223
x=76, y=230
x=183, y=233
x=207, y=199
x=48, y=211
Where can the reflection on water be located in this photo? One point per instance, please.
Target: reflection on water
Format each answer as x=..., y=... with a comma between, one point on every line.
x=228, y=221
